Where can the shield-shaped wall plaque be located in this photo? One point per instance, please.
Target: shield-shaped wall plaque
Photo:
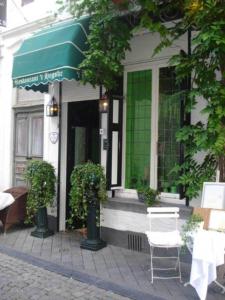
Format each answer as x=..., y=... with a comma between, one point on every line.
x=53, y=136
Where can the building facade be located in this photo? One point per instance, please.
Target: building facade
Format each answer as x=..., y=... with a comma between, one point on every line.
x=135, y=141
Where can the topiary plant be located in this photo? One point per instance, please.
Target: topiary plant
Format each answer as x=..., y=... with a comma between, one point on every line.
x=88, y=187
x=40, y=176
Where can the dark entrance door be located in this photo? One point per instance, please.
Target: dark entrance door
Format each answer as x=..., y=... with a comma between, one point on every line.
x=83, y=137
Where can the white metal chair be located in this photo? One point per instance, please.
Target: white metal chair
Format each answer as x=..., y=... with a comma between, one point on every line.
x=167, y=238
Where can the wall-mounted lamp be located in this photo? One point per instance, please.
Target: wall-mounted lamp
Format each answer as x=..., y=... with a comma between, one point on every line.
x=195, y=5
x=104, y=104
x=52, y=108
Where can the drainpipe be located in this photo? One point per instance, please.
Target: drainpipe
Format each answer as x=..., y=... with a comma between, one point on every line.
x=100, y=126
x=59, y=154
x=188, y=117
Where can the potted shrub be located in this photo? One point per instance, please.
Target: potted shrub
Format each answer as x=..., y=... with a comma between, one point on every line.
x=88, y=190
x=147, y=195
x=40, y=176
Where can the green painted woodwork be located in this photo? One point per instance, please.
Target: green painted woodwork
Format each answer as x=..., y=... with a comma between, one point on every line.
x=138, y=128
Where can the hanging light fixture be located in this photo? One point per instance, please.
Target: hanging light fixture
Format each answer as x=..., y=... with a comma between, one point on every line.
x=52, y=108
x=195, y=5
x=104, y=104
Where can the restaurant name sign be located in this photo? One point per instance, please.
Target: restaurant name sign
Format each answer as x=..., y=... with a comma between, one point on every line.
x=3, y=13
x=42, y=78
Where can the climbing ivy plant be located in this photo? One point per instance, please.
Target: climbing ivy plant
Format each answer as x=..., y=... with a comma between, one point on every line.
x=112, y=25
x=88, y=188
x=206, y=68
x=41, y=179
x=108, y=40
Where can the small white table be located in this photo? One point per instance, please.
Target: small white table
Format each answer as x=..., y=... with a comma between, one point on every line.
x=208, y=253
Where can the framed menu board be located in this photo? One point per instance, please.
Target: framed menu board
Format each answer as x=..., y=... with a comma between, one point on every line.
x=213, y=195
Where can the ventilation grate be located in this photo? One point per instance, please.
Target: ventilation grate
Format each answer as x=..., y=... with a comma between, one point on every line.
x=135, y=242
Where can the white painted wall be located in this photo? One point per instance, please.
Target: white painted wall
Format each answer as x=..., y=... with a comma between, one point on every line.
x=75, y=91
x=51, y=124
x=143, y=45
x=136, y=222
x=18, y=15
x=62, y=209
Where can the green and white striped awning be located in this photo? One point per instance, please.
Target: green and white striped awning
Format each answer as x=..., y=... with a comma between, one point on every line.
x=52, y=54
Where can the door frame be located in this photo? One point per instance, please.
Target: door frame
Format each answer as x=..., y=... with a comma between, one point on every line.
x=112, y=128
x=20, y=110
x=68, y=147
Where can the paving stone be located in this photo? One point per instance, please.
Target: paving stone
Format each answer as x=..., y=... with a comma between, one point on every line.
x=42, y=284
x=112, y=269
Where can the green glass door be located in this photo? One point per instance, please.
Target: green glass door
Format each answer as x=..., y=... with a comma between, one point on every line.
x=168, y=124
x=138, y=129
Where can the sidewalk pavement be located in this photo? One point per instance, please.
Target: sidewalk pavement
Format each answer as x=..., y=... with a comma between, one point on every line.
x=20, y=280
x=121, y=271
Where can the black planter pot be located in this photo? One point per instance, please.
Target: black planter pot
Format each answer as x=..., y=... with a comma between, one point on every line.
x=41, y=230
x=93, y=241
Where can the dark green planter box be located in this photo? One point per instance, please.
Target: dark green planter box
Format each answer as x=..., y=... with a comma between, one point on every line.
x=41, y=230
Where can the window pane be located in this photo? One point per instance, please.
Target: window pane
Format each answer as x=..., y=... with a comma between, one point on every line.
x=37, y=136
x=138, y=126
x=169, y=123
x=21, y=136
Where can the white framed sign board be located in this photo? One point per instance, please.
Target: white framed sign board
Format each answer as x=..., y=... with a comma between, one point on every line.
x=213, y=195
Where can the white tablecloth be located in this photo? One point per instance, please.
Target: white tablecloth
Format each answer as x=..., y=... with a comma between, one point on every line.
x=208, y=253
x=6, y=199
